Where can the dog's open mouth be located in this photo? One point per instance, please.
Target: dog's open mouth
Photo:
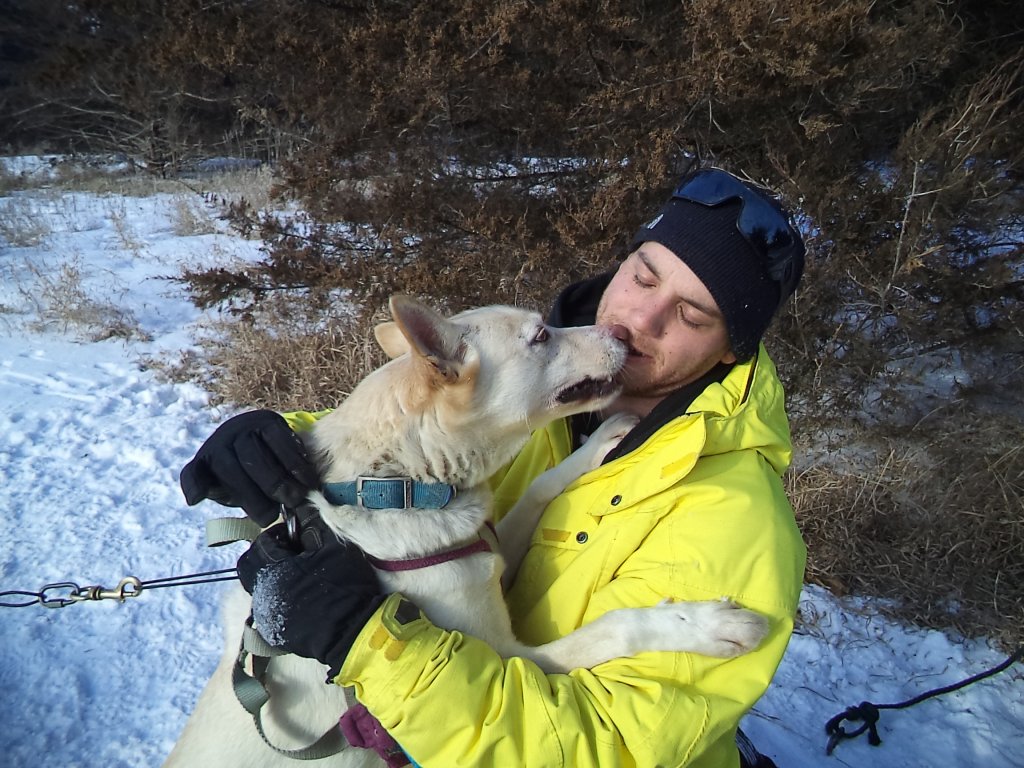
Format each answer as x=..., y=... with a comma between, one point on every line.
x=588, y=389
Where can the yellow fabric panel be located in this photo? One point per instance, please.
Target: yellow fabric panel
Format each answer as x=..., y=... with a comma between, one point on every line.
x=303, y=421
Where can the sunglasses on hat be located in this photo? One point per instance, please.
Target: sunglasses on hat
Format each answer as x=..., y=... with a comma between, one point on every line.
x=764, y=226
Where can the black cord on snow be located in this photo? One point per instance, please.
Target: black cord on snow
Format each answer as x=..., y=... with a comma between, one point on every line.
x=868, y=713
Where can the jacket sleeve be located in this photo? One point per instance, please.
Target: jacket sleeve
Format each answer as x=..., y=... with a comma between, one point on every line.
x=303, y=421
x=450, y=700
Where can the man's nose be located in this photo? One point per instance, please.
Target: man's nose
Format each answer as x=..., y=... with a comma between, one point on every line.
x=648, y=317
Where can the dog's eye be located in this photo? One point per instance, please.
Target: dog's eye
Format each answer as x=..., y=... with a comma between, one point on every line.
x=541, y=336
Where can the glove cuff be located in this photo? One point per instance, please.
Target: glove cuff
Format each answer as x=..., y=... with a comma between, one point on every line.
x=335, y=656
x=386, y=633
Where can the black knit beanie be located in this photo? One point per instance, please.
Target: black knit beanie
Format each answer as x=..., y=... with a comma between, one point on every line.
x=707, y=241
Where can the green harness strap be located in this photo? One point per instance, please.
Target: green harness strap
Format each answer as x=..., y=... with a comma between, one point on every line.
x=250, y=690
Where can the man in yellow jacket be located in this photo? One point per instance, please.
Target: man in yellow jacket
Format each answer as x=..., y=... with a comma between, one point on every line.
x=689, y=506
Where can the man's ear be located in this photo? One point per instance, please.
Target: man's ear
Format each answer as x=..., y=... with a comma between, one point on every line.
x=430, y=337
x=390, y=339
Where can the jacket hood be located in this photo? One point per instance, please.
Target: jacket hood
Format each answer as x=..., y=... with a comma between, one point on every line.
x=746, y=410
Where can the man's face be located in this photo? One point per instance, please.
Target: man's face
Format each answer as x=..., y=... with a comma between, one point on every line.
x=668, y=318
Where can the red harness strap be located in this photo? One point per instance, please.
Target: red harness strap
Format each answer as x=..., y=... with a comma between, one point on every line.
x=415, y=563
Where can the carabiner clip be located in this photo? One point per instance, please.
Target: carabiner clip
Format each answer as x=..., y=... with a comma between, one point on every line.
x=291, y=521
x=72, y=596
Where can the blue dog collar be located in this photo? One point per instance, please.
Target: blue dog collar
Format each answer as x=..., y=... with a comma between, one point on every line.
x=389, y=493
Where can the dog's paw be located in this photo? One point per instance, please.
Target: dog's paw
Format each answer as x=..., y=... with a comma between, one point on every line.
x=717, y=628
x=606, y=437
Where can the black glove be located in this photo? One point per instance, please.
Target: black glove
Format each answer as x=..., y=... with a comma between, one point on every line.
x=253, y=461
x=311, y=598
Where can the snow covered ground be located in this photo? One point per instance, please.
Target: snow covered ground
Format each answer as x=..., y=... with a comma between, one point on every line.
x=91, y=442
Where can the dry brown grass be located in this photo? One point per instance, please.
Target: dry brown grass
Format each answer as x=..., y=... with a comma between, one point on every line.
x=190, y=217
x=104, y=175
x=21, y=226
x=277, y=358
x=933, y=519
x=62, y=302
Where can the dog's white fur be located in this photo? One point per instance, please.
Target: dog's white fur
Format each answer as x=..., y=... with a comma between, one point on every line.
x=455, y=405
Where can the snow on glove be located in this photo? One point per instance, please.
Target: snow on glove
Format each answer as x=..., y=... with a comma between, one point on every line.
x=253, y=461
x=313, y=598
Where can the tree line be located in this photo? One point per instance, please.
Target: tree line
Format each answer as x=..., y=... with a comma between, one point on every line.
x=490, y=151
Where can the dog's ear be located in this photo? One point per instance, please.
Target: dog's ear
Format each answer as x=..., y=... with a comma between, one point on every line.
x=430, y=336
x=391, y=340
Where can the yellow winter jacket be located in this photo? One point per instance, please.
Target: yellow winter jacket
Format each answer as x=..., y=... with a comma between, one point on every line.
x=698, y=512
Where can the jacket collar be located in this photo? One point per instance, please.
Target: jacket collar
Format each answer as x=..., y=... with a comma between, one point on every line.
x=743, y=412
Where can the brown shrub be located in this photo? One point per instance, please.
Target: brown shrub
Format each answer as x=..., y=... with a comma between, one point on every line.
x=933, y=519
x=501, y=150
x=284, y=360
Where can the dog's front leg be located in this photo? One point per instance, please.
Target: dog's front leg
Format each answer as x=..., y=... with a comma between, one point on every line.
x=515, y=529
x=718, y=628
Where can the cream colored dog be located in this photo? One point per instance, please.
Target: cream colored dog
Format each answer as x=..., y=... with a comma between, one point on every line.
x=456, y=404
